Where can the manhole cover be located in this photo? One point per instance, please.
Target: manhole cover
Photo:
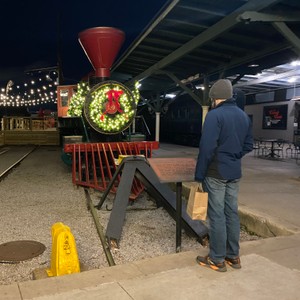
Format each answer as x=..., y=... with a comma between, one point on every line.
x=13, y=252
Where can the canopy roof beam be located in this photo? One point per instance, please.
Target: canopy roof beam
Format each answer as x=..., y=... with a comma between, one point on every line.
x=211, y=33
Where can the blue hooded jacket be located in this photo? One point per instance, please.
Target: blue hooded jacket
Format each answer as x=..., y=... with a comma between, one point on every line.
x=226, y=138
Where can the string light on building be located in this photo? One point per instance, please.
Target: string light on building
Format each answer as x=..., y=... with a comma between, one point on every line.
x=32, y=92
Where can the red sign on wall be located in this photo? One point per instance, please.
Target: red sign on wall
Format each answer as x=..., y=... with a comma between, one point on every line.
x=275, y=117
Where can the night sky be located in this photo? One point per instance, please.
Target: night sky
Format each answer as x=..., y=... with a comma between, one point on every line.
x=33, y=32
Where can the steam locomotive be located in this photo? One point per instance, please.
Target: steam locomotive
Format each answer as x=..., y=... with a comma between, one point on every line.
x=94, y=114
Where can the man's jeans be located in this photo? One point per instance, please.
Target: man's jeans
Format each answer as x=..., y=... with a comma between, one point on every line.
x=224, y=223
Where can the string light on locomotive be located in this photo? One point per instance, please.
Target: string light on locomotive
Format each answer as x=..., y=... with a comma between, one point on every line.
x=109, y=107
x=77, y=100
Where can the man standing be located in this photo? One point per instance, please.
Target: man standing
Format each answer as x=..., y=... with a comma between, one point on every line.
x=226, y=138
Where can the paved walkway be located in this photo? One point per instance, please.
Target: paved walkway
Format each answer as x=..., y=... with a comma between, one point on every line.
x=269, y=203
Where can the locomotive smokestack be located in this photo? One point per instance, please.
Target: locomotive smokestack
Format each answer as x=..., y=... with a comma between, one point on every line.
x=101, y=45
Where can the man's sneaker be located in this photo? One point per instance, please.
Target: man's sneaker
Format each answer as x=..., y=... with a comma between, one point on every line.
x=207, y=262
x=233, y=262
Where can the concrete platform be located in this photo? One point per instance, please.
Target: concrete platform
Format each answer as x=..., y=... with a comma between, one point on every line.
x=269, y=202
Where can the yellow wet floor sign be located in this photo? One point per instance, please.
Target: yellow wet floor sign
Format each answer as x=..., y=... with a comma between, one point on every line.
x=64, y=257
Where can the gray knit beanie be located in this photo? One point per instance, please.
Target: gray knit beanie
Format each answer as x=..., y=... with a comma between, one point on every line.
x=221, y=89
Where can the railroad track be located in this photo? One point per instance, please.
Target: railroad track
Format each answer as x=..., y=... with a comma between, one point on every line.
x=99, y=227
x=2, y=151
x=10, y=158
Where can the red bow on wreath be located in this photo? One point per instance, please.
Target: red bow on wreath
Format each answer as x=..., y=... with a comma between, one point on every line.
x=113, y=104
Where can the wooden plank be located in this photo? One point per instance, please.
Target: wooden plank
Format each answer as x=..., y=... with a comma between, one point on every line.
x=175, y=169
x=50, y=137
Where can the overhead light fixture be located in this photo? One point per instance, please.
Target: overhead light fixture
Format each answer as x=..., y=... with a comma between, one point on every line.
x=170, y=96
x=295, y=63
x=296, y=98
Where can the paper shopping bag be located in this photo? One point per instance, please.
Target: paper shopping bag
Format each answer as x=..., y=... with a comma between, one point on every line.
x=197, y=203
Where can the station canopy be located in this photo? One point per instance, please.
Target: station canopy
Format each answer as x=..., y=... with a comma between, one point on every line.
x=192, y=43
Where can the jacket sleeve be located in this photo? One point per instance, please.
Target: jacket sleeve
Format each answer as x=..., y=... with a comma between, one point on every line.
x=248, y=143
x=208, y=145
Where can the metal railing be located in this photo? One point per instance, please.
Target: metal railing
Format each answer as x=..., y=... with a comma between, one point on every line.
x=94, y=164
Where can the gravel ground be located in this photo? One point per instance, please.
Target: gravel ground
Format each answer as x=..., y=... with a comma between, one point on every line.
x=40, y=193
